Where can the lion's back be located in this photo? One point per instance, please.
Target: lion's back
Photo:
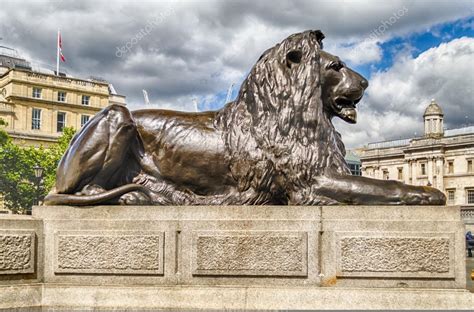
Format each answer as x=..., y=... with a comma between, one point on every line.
x=184, y=147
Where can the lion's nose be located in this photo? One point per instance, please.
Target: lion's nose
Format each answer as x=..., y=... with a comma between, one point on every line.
x=364, y=83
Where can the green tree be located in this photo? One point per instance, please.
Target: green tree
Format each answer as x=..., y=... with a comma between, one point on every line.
x=18, y=183
x=3, y=134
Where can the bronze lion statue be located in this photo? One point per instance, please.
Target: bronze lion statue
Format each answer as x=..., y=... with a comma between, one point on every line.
x=274, y=145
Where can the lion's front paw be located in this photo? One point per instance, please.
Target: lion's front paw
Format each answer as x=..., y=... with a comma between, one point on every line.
x=134, y=198
x=424, y=195
x=435, y=196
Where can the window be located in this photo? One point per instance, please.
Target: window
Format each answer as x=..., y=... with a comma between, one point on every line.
x=423, y=169
x=469, y=165
x=36, y=119
x=84, y=119
x=61, y=96
x=470, y=196
x=86, y=99
x=400, y=173
x=61, y=123
x=451, y=196
x=385, y=174
x=450, y=166
x=37, y=93
x=355, y=169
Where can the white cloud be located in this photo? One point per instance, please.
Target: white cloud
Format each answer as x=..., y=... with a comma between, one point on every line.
x=203, y=46
x=396, y=99
x=367, y=51
x=183, y=103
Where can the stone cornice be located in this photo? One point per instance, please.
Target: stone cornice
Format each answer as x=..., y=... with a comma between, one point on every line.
x=56, y=103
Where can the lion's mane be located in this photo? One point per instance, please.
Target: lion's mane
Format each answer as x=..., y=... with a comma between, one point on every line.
x=277, y=135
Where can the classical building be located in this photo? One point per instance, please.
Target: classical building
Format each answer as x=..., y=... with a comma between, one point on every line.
x=37, y=104
x=441, y=158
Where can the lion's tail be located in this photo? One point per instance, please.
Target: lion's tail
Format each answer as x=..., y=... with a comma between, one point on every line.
x=85, y=200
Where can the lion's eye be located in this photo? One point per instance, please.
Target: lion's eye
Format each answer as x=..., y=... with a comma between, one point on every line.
x=336, y=65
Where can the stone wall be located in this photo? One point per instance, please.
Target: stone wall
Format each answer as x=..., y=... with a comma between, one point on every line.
x=21, y=249
x=387, y=246
x=334, y=247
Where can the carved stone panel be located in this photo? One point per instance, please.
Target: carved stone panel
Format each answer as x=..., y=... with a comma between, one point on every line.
x=250, y=253
x=110, y=252
x=17, y=252
x=395, y=254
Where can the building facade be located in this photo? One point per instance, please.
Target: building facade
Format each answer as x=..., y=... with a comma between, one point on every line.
x=441, y=158
x=37, y=105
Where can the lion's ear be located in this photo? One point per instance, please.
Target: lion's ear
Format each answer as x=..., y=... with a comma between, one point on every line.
x=293, y=57
x=318, y=34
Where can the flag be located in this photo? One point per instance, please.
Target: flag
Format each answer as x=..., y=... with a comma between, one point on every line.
x=60, y=48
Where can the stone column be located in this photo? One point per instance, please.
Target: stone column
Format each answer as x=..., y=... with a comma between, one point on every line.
x=407, y=172
x=440, y=172
x=377, y=172
x=430, y=170
x=413, y=172
x=380, y=173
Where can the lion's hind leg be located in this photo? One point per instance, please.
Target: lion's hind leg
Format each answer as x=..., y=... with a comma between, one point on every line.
x=97, y=154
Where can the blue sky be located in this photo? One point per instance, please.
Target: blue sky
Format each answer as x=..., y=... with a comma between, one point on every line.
x=419, y=42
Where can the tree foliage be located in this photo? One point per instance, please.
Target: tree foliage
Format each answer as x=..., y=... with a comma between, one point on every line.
x=3, y=134
x=18, y=183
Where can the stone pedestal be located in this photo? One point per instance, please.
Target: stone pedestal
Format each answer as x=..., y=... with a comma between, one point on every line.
x=246, y=257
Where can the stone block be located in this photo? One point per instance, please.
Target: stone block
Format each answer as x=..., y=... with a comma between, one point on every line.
x=349, y=246
x=210, y=251
x=252, y=253
x=271, y=238
x=17, y=252
x=116, y=252
x=112, y=257
x=387, y=246
x=21, y=249
x=102, y=249
x=248, y=298
x=21, y=297
x=395, y=254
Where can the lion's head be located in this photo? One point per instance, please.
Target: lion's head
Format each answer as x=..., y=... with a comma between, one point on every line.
x=341, y=86
x=280, y=122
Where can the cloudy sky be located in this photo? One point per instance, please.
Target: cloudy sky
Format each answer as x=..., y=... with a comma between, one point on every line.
x=411, y=51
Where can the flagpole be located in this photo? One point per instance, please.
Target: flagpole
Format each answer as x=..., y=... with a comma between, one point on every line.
x=57, y=54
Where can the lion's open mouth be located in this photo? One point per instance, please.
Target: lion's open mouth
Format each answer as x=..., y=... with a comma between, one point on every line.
x=346, y=103
x=346, y=108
